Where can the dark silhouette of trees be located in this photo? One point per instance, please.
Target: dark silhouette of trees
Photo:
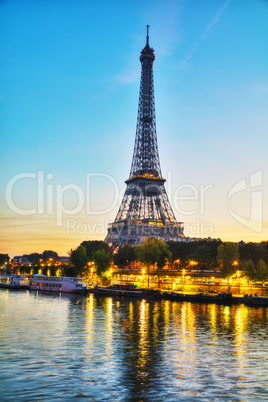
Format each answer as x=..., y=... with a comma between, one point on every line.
x=35, y=257
x=203, y=256
x=125, y=256
x=79, y=259
x=50, y=254
x=249, y=270
x=228, y=254
x=4, y=258
x=153, y=251
x=264, y=251
x=163, y=255
x=204, y=252
x=179, y=251
x=95, y=245
x=69, y=271
x=251, y=251
x=102, y=261
x=262, y=270
x=262, y=267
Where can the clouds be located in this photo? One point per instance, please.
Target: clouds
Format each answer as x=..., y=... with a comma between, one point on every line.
x=130, y=75
x=207, y=31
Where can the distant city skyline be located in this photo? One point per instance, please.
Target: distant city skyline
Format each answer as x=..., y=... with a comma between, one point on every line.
x=69, y=100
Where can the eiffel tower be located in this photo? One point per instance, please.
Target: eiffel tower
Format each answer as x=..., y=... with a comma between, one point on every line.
x=145, y=209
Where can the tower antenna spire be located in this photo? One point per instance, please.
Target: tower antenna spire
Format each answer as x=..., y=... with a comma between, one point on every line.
x=147, y=42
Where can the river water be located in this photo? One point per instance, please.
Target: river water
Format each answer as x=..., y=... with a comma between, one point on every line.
x=92, y=348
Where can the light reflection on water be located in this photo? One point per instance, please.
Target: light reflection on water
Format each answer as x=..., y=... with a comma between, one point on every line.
x=104, y=349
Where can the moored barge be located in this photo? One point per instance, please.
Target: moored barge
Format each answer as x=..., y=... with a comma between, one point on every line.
x=256, y=301
x=220, y=298
x=127, y=290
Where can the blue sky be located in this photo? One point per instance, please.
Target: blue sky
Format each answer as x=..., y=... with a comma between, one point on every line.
x=70, y=76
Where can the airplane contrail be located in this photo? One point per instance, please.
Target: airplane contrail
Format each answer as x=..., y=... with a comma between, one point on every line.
x=214, y=21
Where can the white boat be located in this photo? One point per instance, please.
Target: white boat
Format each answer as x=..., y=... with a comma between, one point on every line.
x=58, y=284
x=14, y=281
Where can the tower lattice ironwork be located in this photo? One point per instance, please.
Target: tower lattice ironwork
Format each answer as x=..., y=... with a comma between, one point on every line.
x=145, y=209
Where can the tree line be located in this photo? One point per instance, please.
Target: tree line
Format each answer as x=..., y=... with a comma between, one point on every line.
x=251, y=258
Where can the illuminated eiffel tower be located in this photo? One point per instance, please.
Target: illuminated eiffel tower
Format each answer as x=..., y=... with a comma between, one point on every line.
x=145, y=209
